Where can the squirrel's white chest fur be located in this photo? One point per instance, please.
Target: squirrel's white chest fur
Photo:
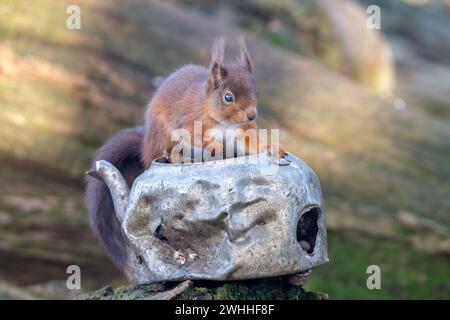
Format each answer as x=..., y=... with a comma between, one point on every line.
x=229, y=135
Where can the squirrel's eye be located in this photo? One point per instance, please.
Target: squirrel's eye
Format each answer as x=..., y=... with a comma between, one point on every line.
x=228, y=97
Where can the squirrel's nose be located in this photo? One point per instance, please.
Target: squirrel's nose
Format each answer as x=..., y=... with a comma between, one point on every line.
x=251, y=115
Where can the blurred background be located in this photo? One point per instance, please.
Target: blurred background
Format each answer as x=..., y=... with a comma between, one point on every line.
x=368, y=110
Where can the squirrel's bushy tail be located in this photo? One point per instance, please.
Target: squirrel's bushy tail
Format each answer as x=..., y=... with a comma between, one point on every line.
x=124, y=152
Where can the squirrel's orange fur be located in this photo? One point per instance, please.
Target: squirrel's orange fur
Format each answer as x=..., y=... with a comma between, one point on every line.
x=194, y=93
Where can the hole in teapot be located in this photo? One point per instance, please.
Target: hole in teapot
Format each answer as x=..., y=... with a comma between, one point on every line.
x=160, y=233
x=307, y=229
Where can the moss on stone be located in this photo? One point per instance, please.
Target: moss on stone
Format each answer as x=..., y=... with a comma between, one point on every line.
x=261, y=289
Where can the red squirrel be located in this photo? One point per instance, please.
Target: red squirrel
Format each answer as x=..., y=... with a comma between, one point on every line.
x=221, y=97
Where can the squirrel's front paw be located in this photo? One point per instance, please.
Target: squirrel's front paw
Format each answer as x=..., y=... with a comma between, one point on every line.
x=277, y=150
x=166, y=156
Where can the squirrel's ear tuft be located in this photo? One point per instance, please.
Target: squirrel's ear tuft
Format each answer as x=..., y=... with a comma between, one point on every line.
x=217, y=51
x=245, y=57
x=217, y=71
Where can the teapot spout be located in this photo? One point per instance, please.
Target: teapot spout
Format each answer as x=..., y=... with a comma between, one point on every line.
x=116, y=185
